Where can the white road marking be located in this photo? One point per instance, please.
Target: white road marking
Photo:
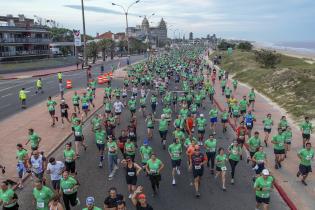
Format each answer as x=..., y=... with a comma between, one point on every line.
x=27, y=91
x=4, y=106
x=6, y=95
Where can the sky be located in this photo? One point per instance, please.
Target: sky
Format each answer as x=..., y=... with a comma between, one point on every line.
x=256, y=20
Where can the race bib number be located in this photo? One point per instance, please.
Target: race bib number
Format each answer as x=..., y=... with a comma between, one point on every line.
x=268, y=127
x=280, y=144
x=99, y=142
x=176, y=155
x=212, y=150
x=197, y=167
x=77, y=133
x=131, y=173
x=40, y=204
x=35, y=165
x=152, y=171
x=249, y=124
x=66, y=190
x=223, y=168
x=308, y=157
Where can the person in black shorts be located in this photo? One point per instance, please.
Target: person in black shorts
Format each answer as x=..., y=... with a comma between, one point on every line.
x=198, y=160
x=64, y=111
x=132, y=171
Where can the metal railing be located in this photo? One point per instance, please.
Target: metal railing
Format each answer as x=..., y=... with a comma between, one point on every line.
x=24, y=53
x=25, y=40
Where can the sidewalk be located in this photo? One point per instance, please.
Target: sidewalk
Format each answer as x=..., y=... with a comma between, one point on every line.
x=44, y=72
x=14, y=130
x=302, y=196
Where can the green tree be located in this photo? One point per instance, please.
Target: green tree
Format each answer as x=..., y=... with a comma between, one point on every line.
x=224, y=45
x=92, y=50
x=246, y=46
x=103, y=46
x=269, y=59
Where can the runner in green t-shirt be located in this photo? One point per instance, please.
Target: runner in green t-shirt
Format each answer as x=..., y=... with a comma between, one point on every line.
x=210, y=147
x=201, y=126
x=130, y=149
x=69, y=158
x=268, y=123
x=90, y=204
x=306, y=156
x=234, y=83
x=42, y=195
x=51, y=109
x=224, y=119
x=163, y=129
x=68, y=189
x=251, y=98
x=306, y=128
x=175, y=150
x=254, y=143
x=145, y=152
x=76, y=102
x=100, y=138
x=259, y=158
x=279, y=148
x=34, y=138
x=213, y=118
x=263, y=186
x=220, y=161
x=235, y=152
x=153, y=168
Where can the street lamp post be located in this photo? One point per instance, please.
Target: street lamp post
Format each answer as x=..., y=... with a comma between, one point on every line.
x=126, y=15
x=85, y=60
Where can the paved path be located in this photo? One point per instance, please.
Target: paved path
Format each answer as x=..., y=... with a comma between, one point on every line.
x=302, y=197
x=9, y=102
x=94, y=180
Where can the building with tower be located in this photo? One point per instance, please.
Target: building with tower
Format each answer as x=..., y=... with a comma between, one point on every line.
x=154, y=35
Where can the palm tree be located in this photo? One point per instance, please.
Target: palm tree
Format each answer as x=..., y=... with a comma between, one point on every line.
x=92, y=50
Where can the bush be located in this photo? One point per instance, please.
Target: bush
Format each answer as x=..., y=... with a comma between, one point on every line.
x=247, y=46
x=269, y=59
x=224, y=45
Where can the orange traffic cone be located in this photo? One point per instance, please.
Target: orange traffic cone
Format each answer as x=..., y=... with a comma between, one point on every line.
x=69, y=84
x=100, y=80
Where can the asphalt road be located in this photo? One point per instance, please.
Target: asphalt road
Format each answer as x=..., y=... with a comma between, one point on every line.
x=9, y=90
x=181, y=197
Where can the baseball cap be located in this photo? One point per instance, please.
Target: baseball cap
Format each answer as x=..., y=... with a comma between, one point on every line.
x=89, y=201
x=141, y=196
x=265, y=172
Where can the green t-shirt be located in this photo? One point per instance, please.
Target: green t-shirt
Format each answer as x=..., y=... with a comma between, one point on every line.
x=210, y=145
x=253, y=143
x=112, y=148
x=201, y=123
x=175, y=150
x=69, y=155
x=143, y=101
x=51, y=105
x=132, y=105
x=42, y=197
x=288, y=135
x=235, y=110
x=146, y=152
x=21, y=154
x=225, y=115
x=100, y=136
x=243, y=105
x=263, y=183
x=251, y=95
x=306, y=127
x=223, y=83
x=130, y=148
x=85, y=99
x=154, y=166
x=235, y=153
x=268, y=123
x=283, y=124
x=221, y=161
x=75, y=99
x=179, y=134
x=279, y=141
x=108, y=106
x=163, y=125
x=77, y=130
x=198, y=99
x=96, y=122
x=34, y=139
x=260, y=157
x=213, y=113
x=306, y=156
x=235, y=82
x=7, y=196
x=150, y=123
x=67, y=184
x=227, y=91
x=94, y=208
x=184, y=113
x=153, y=99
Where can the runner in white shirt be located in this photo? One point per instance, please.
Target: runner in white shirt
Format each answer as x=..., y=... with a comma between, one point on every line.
x=118, y=106
x=142, y=92
x=124, y=95
x=55, y=169
x=134, y=91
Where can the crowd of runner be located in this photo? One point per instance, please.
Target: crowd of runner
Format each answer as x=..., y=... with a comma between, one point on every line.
x=172, y=93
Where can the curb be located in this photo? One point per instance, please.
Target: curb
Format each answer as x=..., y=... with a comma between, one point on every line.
x=280, y=190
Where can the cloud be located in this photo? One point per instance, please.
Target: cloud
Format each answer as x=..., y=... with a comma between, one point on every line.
x=98, y=10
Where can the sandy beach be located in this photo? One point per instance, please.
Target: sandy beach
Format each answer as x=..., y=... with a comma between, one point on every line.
x=308, y=56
